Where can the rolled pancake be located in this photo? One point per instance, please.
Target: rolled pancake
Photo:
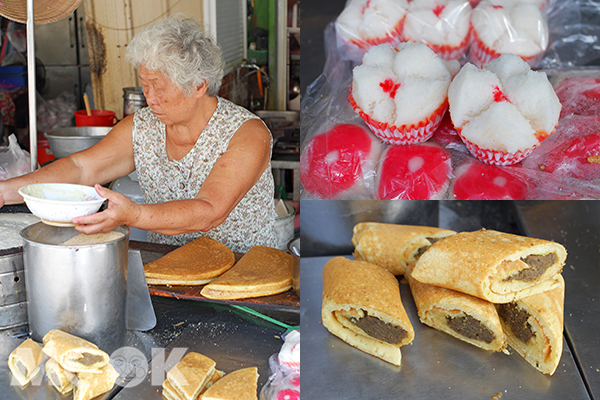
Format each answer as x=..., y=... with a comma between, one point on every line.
x=190, y=376
x=362, y=306
x=195, y=263
x=91, y=384
x=237, y=385
x=262, y=271
x=495, y=266
x=468, y=318
x=24, y=361
x=534, y=327
x=59, y=377
x=73, y=353
x=393, y=246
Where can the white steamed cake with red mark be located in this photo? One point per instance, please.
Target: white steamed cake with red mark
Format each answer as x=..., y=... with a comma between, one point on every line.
x=416, y=172
x=444, y=25
x=478, y=181
x=402, y=94
x=503, y=110
x=367, y=23
x=508, y=26
x=339, y=162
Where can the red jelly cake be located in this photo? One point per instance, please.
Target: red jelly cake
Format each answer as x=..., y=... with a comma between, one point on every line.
x=339, y=162
x=478, y=181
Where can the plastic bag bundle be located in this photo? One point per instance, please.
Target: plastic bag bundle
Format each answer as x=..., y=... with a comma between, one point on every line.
x=14, y=161
x=284, y=383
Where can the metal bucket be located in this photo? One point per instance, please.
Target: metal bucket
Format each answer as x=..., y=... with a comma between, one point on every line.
x=293, y=248
x=284, y=227
x=133, y=100
x=81, y=290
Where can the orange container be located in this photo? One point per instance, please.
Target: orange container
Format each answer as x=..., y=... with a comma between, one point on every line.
x=98, y=118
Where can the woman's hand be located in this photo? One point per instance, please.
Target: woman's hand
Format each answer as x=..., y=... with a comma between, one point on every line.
x=120, y=211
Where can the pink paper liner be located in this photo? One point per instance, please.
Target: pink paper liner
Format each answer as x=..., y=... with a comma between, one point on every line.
x=393, y=38
x=480, y=54
x=446, y=51
x=405, y=134
x=494, y=157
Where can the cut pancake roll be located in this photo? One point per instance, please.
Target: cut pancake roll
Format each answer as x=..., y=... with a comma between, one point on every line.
x=262, y=271
x=362, y=306
x=24, y=361
x=393, y=246
x=73, y=353
x=59, y=377
x=195, y=263
x=494, y=266
x=463, y=316
x=91, y=384
x=534, y=327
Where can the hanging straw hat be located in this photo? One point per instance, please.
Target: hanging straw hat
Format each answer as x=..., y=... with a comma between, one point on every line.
x=44, y=11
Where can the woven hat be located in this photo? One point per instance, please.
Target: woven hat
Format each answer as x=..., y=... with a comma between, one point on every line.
x=44, y=11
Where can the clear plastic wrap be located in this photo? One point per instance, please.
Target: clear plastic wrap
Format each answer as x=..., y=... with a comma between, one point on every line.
x=14, y=161
x=284, y=382
x=574, y=32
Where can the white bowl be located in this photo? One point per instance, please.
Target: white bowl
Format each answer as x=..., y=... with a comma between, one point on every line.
x=58, y=203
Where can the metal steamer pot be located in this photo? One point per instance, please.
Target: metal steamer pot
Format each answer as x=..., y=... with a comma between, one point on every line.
x=81, y=290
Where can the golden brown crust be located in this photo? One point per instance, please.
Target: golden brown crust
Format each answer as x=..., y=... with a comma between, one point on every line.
x=351, y=286
x=472, y=263
x=435, y=304
x=546, y=310
x=73, y=353
x=201, y=259
x=392, y=246
x=24, y=361
x=237, y=385
x=190, y=375
x=262, y=271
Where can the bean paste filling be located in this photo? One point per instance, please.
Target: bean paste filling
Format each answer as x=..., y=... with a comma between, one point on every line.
x=379, y=329
x=516, y=319
x=470, y=327
x=538, y=264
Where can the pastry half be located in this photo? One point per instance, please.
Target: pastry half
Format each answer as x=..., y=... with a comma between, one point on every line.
x=534, y=327
x=190, y=376
x=73, y=353
x=468, y=318
x=91, y=384
x=362, y=306
x=495, y=266
x=392, y=246
x=59, y=377
x=237, y=385
x=195, y=263
x=262, y=271
x=24, y=361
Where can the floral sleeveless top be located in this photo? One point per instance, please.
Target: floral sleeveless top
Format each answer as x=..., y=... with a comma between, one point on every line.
x=250, y=223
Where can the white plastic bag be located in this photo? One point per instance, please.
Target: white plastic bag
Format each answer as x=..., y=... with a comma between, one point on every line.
x=14, y=161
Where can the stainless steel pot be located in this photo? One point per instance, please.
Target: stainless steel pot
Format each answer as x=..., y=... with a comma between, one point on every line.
x=69, y=140
x=78, y=289
x=133, y=100
x=293, y=248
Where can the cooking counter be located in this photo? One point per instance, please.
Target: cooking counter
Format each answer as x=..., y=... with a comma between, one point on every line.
x=437, y=365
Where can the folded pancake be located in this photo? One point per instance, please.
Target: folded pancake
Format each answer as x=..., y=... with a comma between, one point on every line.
x=534, y=327
x=59, y=377
x=463, y=316
x=262, y=271
x=170, y=393
x=393, y=246
x=91, y=384
x=190, y=376
x=495, y=266
x=362, y=306
x=24, y=361
x=237, y=385
x=73, y=353
x=195, y=263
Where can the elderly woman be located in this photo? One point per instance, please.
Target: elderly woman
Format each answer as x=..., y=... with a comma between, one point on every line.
x=203, y=163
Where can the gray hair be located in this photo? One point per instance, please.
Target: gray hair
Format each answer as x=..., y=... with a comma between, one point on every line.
x=179, y=48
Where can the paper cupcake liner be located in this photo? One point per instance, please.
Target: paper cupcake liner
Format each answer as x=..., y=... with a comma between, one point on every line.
x=405, y=134
x=480, y=53
x=393, y=38
x=494, y=157
x=446, y=51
